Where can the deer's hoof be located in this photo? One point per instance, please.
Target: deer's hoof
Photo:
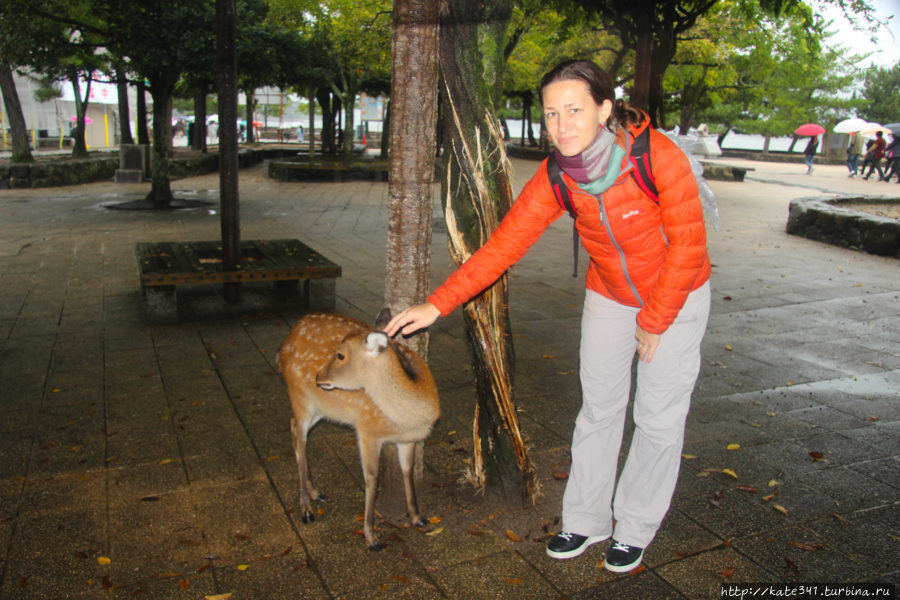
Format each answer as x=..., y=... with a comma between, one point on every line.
x=421, y=522
x=376, y=546
x=307, y=516
x=321, y=497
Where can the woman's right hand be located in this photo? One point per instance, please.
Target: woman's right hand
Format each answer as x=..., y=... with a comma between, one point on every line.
x=413, y=319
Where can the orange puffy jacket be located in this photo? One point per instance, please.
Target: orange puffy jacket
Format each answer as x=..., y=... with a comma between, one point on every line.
x=643, y=254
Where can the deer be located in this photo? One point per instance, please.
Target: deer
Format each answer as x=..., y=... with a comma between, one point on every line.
x=339, y=369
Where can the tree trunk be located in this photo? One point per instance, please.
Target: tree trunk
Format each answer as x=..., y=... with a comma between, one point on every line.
x=198, y=141
x=226, y=58
x=251, y=104
x=80, y=147
x=412, y=151
x=311, y=134
x=323, y=96
x=141, y=106
x=21, y=151
x=125, y=136
x=640, y=93
x=476, y=194
x=160, y=189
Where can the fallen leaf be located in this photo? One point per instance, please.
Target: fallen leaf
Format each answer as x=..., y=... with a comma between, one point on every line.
x=434, y=520
x=402, y=578
x=103, y=560
x=165, y=461
x=791, y=564
x=434, y=531
x=773, y=483
x=728, y=347
x=727, y=572
x=513, y=581
x=548, y=356
x=817, y=456
x=730, y=472
x=732, y=446
x=746, y=488
x=767, y=498
x=840, y=519
x=770, y=413
x=184, y=584
x=243, y=567
x=511, y=536
x=217, y=596
x=689, y=456
x=780, y=508
x=560, y=475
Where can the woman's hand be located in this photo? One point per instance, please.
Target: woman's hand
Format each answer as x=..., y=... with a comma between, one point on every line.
x=646, y=344
x=413, y=319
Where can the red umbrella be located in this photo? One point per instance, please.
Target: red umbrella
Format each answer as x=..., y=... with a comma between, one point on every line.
x=809, y=129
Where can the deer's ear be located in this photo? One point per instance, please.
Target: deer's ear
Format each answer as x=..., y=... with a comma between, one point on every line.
x=376, y=343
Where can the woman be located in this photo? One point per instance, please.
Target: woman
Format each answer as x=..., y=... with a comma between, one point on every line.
x=647, y=291
x=810, y=153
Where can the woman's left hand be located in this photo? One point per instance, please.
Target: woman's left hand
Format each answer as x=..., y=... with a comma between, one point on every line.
x=646, y=344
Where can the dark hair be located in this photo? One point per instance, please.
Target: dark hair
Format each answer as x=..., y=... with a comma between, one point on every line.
x=600, y=85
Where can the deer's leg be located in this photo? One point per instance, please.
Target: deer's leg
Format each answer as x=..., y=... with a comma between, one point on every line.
x=369, y=453
x=406, y=453
x=307, y=492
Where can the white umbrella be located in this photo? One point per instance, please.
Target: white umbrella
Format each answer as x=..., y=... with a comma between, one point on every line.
x=870, y=131
x=851, y=125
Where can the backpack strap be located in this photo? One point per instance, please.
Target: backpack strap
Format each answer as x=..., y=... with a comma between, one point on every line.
x=561, y=191
x=640, y=159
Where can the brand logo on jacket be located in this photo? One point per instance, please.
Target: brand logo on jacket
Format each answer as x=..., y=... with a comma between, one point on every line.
x=628, y=215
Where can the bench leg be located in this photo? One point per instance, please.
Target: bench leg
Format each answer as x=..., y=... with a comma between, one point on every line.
x=321, y=294
x=160, y=303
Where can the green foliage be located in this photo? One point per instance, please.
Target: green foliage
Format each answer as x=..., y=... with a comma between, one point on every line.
x=881, y=92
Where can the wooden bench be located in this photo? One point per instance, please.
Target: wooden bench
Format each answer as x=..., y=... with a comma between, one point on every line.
x=290, y=170
x=724, y=172
x=286, y=262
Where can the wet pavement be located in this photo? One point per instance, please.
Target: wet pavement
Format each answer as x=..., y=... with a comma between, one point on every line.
x=154, y=460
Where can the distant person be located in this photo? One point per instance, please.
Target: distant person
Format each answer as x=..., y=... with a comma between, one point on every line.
x=810, y=152
x=242, y=132
x=300, y=134
x=854, y=151
x=892, y=154
x=876, y=151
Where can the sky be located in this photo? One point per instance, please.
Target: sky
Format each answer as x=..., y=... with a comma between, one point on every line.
x=886, y=53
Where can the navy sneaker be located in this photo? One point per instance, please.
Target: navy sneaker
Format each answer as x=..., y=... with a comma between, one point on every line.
x=621, y=558
x=569, y=545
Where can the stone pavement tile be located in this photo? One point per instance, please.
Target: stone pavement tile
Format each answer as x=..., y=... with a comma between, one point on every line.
x=16, y=449
x=828, y=418
x=183, y=583
x=883, y=437
x=678, y=538
x=220, y=454
x=789, y=456
x=703, y=575
x=281, y=576
x=841, y=449
x=735, y=515
x=67, y=566
x=868, y=536
x=63, y=491
x=850, y=489
x=800, y=555
x=886, y=470
x=501, y=575
x=645, y=585
x=146, y=482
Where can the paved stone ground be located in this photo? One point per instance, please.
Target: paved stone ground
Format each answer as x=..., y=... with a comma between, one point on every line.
x=146, y=460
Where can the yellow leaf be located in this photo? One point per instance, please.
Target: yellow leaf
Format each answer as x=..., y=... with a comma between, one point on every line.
x=770, y=413
x=165, y=461
x=271, y=458
x=103, y=560
x=688, y=456
x=732, y=446
x=435, y=531
x=243, y=567
x=728, y=347
x=772, y=483
x=434, y=520
x=548, y=356
x=217, y=596
x=512, y=536
x=56, y=390
x=730, y=472
x=780, y=508
x=452, y=432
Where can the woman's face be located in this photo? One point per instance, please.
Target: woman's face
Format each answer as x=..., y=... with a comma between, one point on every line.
x=572, y=116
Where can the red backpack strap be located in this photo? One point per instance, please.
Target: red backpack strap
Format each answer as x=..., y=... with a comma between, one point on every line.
x=640, y=159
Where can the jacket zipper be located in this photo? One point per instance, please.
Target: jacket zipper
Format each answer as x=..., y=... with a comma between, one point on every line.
x=619, y=250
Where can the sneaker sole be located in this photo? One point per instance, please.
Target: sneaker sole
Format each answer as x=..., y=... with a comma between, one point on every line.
x=624, y=568
x=590, y=541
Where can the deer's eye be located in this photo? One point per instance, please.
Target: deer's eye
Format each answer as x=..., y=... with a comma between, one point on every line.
x=340, y=356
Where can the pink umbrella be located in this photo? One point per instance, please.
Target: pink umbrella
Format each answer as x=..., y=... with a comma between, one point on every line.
x=86, y=119
x=809, y=129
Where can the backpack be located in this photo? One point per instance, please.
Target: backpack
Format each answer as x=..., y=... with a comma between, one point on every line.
x=642, y=174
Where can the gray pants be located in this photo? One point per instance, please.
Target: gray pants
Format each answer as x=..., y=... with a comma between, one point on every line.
x=661, y=405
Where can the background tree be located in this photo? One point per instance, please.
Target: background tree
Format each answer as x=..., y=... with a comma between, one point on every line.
x=21, y=151
x=476, y=194
x=881, y=91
